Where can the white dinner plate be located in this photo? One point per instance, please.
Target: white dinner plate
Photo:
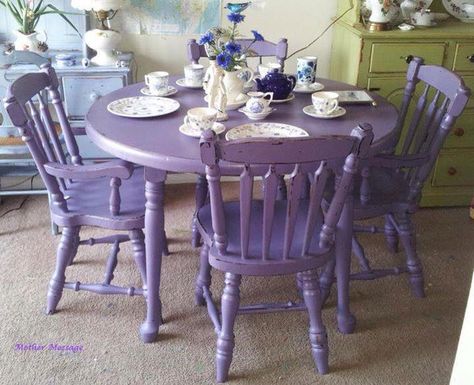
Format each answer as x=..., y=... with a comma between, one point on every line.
x=309, y=110
x=143, y=106
x=171, y=91
x=187, y=130
x=265, y=130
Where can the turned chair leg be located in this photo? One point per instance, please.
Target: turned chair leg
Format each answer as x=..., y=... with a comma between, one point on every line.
x=415, y=270
x=201, y=197
x=317, y=331
x=56, y=284
x=391, y=235
x=326, y=279
x=204, y=276
x=75, y=245
x=225, y=341
x=138, y=245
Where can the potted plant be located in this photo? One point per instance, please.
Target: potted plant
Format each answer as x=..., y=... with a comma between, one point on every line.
x=27, y=14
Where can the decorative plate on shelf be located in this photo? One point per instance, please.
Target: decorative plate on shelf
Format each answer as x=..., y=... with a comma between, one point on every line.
x=143, y=106
x=265, y=130
x=459, y=9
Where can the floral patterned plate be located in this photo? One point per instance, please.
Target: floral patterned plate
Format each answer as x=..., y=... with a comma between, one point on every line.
x=265, y=130
x=457, y=8
x=171, y=91
x=143, y=106
x=218, y=128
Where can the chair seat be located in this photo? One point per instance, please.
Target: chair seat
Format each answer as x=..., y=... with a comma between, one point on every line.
x=388, y=193
x=253, y=264
x=88, y=203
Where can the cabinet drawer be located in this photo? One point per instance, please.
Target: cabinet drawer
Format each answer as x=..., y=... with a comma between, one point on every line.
x=469, y=80
x=462, y=133
x=454, y=168
x=392, y=57
x=81, y=92
x=463, y=61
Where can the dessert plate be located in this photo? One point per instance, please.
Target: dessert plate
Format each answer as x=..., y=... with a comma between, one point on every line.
x=314, y=87
x=265, y=130
x=171, y=91
x=182, y=83
x=309, y=110
x=143, y=106
x=187, y=130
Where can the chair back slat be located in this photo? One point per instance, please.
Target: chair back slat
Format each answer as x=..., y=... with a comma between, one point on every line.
x=443, y=100
x=246, y=193
x=270, y=191
x=42, y=134
x=258, y=49
x=51, y=129
x=416, y=119
x=271, y=159
x=295, y=189
x=315, y=214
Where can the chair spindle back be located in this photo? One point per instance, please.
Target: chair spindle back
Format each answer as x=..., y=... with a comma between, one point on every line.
x=270, y=159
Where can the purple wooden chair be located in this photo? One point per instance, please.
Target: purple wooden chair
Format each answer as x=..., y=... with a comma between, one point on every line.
x=259, y=49
x=390, y=185
x=269, y=237
x=78, y=193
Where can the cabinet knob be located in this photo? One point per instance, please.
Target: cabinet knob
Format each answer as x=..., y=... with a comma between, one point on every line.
x=407, y=59
x=94, y=96
x=470, y=58
x=458, y=131
x=452, y=171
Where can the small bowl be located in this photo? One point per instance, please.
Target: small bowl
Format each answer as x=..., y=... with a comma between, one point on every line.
x=259, y=116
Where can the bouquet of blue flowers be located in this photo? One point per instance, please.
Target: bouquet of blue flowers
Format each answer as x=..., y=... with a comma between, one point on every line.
x=222, y=46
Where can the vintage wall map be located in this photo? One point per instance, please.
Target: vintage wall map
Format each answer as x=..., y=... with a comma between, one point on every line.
x=170, y=17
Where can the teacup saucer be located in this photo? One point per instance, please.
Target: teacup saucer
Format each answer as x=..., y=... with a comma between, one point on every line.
x=218, y=128
x=309, y=110
x=232, y=105
x=182, y=83
x=256, y=116
x=171, y=91
x=290, y=97
x=310, y=88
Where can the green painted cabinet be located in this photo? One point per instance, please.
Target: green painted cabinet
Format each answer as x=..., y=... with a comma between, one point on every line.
x=377, y=61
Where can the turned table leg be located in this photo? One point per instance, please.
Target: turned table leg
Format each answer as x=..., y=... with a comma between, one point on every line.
x=154, y=224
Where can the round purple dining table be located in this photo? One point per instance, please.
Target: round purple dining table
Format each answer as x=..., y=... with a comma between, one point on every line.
x=157, y=144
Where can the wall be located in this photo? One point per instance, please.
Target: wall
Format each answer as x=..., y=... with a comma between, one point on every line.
x=297, y=20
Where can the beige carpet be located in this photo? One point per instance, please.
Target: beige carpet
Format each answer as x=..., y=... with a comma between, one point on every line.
x=399, y=339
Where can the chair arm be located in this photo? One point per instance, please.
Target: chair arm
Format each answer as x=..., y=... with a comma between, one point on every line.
x=397, y=161
x=114, y=169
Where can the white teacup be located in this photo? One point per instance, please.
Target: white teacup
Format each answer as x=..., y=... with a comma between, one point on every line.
x=324, y=102
x=264, y=69
x=201, y=118
x=194, y=74
x=423, y=18
x=157, y=82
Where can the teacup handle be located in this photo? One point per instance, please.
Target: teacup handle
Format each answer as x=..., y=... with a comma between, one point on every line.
x=334, y=104
x=186, y=120
x=147, y=80
x=292, y=79
x=268, y=100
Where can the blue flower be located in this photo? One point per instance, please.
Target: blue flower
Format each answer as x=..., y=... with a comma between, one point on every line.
x=235, y=17
x=257, y=36
x=207, y=38
x=223, y=60
x=233, y=48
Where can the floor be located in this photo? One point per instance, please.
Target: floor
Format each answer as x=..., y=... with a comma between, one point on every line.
x=399, y=339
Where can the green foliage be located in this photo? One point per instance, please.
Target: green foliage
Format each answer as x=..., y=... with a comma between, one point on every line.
x=27, y=14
